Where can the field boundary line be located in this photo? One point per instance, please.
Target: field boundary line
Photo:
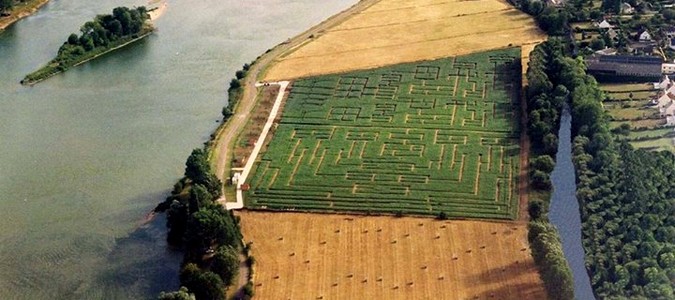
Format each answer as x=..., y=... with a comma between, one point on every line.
x=258, y=144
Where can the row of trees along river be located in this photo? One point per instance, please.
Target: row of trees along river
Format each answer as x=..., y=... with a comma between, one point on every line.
x=626, y=196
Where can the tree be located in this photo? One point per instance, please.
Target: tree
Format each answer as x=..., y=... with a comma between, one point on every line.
x=597, y=44
x=6, y=5
x=540, y=180
x=544, y=163
x=72, y=38
x=550, y=143
x=123, y=16
x=668, y=14
x=226, y=264
x=197, y=166
x=207, y=228
x=199, y=198
x=176, y=219
x=205, y=284
x=227, y=112
x=181, y=294
x=537, y=209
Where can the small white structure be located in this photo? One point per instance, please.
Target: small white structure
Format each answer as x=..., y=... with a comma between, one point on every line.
x=606, y=51
x=668, y=68
x=604, y=25
x=627, y=9
x=235, y=178
x=645, y=36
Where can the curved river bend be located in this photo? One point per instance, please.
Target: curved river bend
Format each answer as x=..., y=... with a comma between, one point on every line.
x=564, y=211
x=86, y=154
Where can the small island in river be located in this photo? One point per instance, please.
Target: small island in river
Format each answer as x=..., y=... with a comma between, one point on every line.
x=102, y=35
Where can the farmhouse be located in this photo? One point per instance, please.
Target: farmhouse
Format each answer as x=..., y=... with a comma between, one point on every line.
x=668, y=68
x=645, y=36
x=643, y=47
x=663, y=84
x=622, y=68
x=604, y=25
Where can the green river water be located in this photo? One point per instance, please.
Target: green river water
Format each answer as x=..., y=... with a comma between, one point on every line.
x=85, y=155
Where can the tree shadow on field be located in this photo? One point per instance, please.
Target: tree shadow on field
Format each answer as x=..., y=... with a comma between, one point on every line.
x=517, y=291
x=508, y=282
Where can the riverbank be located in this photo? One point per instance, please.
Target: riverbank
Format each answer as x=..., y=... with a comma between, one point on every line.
x=21, y=11
x=53, y=69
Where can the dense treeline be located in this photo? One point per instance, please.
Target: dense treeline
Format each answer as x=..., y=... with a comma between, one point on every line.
x=96, y=37
x=626, y=196
x=545, y=100
x=207, y=233
x=553, y=20
x=234, y=92
x=627, y=201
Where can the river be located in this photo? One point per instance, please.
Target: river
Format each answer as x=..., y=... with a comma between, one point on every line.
x=564, y=211
x=86, y=154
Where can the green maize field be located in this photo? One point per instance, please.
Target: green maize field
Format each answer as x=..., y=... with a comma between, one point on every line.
x=418, y=138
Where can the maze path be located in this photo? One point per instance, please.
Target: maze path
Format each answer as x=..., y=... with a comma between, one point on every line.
x=419, y=138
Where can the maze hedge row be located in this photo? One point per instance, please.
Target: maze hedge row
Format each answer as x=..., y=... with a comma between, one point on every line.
x=415, y=138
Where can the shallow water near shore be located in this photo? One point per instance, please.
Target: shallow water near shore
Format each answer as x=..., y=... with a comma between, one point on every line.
x=85, y=155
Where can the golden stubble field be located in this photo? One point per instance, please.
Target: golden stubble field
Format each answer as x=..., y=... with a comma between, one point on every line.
x=315, y=256
x=397, y=31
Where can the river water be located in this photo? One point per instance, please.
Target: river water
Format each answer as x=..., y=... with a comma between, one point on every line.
x=564, y=211
x=86, y=154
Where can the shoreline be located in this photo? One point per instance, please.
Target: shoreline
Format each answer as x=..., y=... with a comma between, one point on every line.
x=20, y=14
x=34, y=82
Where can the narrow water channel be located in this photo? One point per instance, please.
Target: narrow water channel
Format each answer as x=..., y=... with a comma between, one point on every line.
x=564, y=211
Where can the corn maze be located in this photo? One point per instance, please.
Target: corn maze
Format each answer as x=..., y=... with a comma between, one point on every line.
x=420, y=138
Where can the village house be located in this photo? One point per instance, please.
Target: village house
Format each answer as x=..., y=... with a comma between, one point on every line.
x=665, y=102
x=641, y=47
x=668, y=68
x=644, y=36
x=604, y=25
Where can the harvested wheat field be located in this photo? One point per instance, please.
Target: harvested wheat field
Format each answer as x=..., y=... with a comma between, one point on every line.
x=397, y=31
x=314, y=256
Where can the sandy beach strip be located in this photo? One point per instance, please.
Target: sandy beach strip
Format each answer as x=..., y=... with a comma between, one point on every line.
x=20, y=12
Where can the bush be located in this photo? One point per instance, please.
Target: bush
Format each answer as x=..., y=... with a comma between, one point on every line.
x=541, y=180
x=544, y=163
x=537, y=209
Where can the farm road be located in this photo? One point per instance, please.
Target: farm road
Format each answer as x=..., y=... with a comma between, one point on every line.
x=258, y=144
